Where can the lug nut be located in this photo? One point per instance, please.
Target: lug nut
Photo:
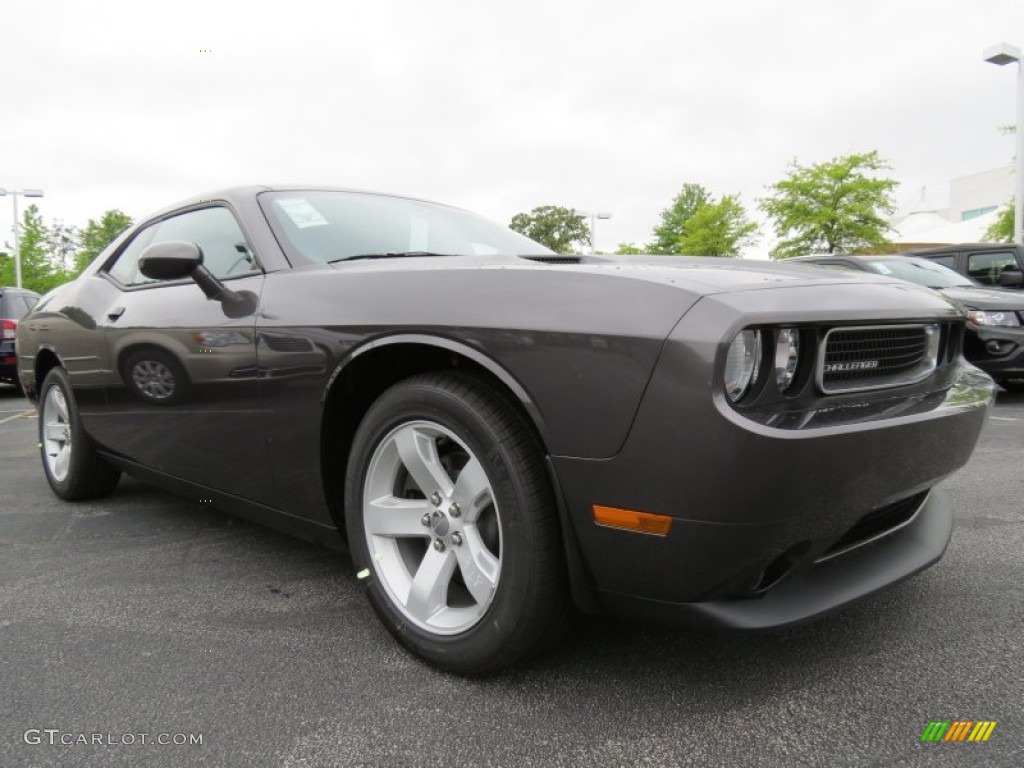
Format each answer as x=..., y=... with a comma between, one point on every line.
x=435, y=499
x=425, y=520
x=454, y=510
x=457, y=539
x=439, y=545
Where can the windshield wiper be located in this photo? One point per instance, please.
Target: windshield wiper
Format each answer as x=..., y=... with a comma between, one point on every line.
x=388, y=255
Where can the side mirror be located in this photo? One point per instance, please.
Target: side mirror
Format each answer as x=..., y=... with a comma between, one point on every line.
x=176, y=260
x=1011, y=279
x=173, y=260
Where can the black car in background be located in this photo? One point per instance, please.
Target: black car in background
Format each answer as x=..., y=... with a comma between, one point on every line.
x=494, y=430
x=999, y=265
x=14, y=305
x=995, y=329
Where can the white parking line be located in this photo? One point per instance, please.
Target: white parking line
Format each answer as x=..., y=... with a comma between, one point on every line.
x=994, y=418
x=15, y=416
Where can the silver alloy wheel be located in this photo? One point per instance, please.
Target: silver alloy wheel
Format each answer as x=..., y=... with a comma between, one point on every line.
x=153, y=379
x=432, y=527
x=56, y=434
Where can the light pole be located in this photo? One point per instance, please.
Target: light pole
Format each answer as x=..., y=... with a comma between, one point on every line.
x=593, y=216
x=17, y=250
x=1003, y=54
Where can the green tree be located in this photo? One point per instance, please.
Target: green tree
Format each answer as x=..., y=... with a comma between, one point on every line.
x=1001, y=230
x=831, y=207
x=717, y=229
x=629, y=249
x=63, y=242
x=673, y=219
x=39, y=270
x=554, y=226
x=97, y=235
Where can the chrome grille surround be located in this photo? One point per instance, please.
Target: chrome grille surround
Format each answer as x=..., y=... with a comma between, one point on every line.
x=866, y=357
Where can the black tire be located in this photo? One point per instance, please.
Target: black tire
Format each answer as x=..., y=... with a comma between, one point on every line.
x=1011, y=385
x=529, y=608
x=176, y=378
x=88, y=475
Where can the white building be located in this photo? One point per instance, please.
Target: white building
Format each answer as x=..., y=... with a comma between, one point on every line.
x=957, y=212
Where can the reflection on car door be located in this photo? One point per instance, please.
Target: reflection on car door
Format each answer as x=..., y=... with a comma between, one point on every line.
x=183, y=393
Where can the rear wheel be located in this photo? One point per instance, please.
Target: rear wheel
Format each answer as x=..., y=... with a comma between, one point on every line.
x=449, y=510
x=72, y=466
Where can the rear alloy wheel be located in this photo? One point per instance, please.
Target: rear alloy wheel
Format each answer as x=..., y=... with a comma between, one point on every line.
x=72, y=466
x=449, y=509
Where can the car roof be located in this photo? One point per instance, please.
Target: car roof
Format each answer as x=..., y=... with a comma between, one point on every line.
x=960, y=247
x=235, y=195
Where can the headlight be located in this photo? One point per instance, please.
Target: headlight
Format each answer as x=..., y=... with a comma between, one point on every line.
x=1003, y=317
x=787, y=354
x=741, y=363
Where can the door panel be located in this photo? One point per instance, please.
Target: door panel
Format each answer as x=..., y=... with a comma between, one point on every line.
x=182, y=386
x=183, y=394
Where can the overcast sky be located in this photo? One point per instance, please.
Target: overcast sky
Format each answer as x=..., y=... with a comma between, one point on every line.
x=494, y=106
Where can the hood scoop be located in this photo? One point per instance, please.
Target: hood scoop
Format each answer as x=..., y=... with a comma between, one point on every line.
x=555, y=259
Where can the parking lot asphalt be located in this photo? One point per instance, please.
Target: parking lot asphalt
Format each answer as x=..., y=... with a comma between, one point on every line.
x=143, y=613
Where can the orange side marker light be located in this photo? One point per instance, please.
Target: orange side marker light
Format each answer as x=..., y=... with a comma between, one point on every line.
x=631, y=520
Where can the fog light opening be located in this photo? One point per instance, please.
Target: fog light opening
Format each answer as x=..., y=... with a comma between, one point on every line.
x=780, y=567
x=996, y=347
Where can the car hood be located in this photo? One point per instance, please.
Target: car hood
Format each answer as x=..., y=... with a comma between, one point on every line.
x=698, y=275
x=986, y=298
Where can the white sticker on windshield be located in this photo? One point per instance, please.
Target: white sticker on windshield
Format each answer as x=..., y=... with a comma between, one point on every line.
x=883, y=269
x=302, y=214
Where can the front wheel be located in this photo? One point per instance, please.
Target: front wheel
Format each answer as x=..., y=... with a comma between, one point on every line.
x=72, y=466
x=156, y=377
x=451, y=514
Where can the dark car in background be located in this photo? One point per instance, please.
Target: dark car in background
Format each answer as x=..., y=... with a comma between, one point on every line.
x=494, y=430
x=999, y=265
x=14, y=305
x=995, y=327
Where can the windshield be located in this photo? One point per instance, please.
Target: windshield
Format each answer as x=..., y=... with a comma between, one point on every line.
x=323, y=226
x=920, y=271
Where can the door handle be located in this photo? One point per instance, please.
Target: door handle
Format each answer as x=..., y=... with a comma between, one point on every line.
x=115, y=313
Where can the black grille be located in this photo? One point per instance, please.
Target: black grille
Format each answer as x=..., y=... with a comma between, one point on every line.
x=862, y=358
x=876, y=524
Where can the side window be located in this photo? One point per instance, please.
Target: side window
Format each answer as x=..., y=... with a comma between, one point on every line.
x=225, y=250
x=987, y=267
x=946, y=261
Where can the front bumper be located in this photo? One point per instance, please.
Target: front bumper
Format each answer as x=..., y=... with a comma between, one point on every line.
x=757, y=508
x=818, y=589
x=999, y=351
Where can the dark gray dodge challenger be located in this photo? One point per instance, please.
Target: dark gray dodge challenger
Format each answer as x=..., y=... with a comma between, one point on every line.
x=497, y=432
